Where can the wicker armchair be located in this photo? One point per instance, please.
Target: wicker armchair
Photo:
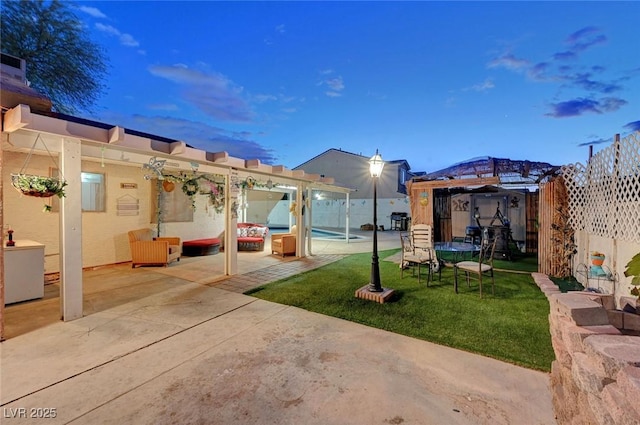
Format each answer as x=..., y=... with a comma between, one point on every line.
x=149, y=251
x=284, y=243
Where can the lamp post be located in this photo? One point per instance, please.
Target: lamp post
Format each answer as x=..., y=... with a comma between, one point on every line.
x=375, y=168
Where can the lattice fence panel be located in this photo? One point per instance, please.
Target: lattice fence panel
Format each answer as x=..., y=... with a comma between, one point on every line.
x=575, y=178
x=604, y=196
x=628, y=192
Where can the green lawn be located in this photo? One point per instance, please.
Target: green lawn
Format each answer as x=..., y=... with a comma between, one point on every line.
x=511, y=326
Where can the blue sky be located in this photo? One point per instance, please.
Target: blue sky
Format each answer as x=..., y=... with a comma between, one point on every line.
x=434, y=83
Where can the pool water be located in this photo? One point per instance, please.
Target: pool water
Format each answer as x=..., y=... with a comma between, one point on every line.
x=317, y=233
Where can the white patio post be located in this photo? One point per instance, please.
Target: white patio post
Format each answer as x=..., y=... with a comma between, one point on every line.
x=71, y=232
x=347, y=217
x=301, y=225
x=231, y=206
x=308, y=209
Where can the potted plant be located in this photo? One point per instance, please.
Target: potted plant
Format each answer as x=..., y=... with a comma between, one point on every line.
x=39, y=186
x=597, y=258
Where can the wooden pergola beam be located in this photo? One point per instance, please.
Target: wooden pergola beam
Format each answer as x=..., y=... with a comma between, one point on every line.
x=421, y=194
x=440, y=184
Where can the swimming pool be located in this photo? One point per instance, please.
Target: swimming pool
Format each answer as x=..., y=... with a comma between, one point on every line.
x=318, y=233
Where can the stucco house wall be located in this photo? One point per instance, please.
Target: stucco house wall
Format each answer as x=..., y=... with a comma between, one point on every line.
x=104, y=234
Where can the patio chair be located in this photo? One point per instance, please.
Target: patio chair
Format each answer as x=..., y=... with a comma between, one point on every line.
x=284, y=243
x=480, y=268
x=422, y=240
x=149, y=251
x=410, y=258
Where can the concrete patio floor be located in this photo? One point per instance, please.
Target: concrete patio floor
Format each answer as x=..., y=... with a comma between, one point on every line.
x=158, y=347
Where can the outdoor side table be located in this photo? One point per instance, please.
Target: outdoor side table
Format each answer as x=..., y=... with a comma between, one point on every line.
x=459, y=250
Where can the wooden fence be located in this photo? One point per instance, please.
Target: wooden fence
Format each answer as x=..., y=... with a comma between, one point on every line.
x=555, y=236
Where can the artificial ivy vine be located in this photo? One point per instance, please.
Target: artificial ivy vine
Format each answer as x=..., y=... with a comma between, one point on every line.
x=191, y=186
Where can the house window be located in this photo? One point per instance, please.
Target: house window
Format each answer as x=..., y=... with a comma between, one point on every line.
x=93, y=192
x=402, y=177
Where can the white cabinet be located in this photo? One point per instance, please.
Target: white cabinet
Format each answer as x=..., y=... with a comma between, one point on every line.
x=23, y=271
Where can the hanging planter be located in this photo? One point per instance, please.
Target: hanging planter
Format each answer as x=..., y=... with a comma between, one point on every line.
x=38, y=186
x=168, y=186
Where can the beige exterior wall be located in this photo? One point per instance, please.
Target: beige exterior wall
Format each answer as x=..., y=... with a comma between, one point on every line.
x=104, y=234
x=618, y=253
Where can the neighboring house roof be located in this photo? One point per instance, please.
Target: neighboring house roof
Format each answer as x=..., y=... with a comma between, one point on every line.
x=394, y=161
x=15, y=92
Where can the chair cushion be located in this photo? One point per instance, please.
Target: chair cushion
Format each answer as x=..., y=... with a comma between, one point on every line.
x=252, y=230
x=472, y=266
x=256, y=232
x=250, y=239
x=140, y=235
x=202, y=242
x=415, y=258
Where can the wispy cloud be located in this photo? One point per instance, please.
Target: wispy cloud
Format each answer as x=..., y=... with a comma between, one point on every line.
x=279, y=32
x=580, y=41
x=212, y=93
x=163, y=106
x=481, y=87
x=509, y=61
x=585, y=81
x=335, y=84
x=125, y=39
x=579, y=106
x=543, y=72
x=595, y=142
x=264, y=98
x=570, y=76
x=584, y=38
x=205, y=137
x=92, y=11
x=633, y=126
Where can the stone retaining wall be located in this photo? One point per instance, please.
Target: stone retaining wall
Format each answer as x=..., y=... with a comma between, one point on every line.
x=595, y=378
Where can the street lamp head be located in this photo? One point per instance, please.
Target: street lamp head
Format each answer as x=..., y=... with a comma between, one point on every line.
x=376, y=164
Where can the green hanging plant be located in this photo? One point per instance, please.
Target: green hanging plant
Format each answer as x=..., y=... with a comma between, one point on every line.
x=39, y=186
x=192, y=186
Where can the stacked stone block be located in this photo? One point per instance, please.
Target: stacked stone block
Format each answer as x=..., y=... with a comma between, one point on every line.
x=595, y=378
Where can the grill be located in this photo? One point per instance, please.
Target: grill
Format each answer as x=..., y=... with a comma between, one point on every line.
x=399, y=221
